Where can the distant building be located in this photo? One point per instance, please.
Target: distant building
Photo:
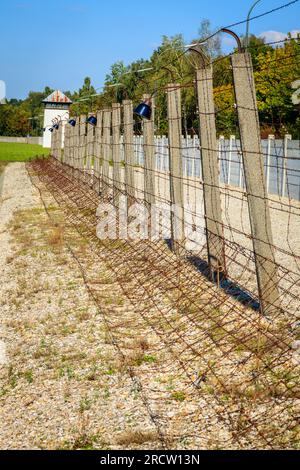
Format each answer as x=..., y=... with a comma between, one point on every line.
x=57, y=105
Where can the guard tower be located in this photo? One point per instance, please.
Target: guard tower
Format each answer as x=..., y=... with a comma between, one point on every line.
x=57, y=105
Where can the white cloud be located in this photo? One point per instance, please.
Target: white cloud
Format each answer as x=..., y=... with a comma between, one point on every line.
x=273, y=36
x=295, y=33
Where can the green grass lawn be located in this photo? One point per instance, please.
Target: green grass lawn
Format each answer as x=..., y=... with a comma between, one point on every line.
x=10, y=152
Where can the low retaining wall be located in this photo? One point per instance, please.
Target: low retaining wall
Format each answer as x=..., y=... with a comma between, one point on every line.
x=23, y=140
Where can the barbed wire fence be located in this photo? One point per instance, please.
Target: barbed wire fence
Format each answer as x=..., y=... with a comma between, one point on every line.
x=212, y=271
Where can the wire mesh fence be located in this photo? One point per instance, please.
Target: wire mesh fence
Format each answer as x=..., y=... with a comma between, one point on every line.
x=207, y=250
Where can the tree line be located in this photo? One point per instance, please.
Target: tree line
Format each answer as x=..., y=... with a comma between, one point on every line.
x=276, y=67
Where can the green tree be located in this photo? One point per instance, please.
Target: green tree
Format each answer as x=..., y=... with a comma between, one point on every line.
x=212, y=43
x=276, y=70
x=83, y=99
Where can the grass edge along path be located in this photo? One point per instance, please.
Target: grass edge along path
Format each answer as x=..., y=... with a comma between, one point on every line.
x=14, y=152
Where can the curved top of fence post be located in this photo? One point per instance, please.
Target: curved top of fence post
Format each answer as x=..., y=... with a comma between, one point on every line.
x=235, y=36
x=205, y=61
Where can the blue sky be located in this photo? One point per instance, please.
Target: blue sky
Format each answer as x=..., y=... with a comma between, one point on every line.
x=59, y=42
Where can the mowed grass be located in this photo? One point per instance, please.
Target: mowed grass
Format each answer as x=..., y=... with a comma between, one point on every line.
x=11, y=152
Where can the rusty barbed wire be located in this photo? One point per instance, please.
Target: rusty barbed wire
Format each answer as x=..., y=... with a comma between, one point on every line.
x=199, y=327
x=220, y=372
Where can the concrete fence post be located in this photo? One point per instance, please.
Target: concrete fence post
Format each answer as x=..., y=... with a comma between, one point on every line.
x=82, y=145
x=176, y=170
x=70, y=152
x=74, y=145
x=90, y=151
x=59, y=142
x=98, y=150
x=56, y=140
x=106, y=142
x=129, y=151
x=66, y=148
x=116, y=153
x=52, y=144
x=210, y=173
x=253, y=161
x=149, y=158
x=55, y=143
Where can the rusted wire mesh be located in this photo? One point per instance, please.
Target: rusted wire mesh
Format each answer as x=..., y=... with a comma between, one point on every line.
x=222, y=370
x=219, y=375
